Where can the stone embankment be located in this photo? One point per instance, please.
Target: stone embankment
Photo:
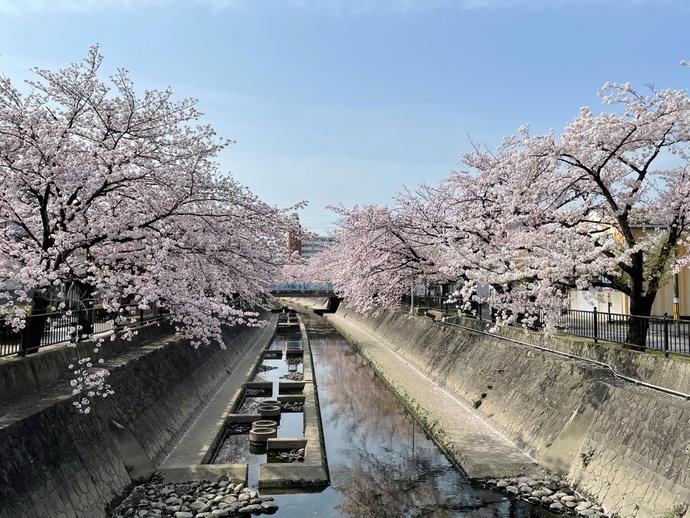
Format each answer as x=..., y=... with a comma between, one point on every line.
x=621, y=445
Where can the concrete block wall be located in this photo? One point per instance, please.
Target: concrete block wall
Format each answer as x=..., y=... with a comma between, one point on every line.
x=627, y=447
x=636, y=453
x=35, y=372
x=59, y=464
x=163, y=389
x=653, y=369
x=55, y=462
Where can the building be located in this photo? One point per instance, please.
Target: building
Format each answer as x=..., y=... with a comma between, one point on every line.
x=294, y=244
x=307, y=247
x=311, y=247
x=672, y=299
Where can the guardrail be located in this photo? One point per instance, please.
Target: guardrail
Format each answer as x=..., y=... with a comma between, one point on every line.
x=663, y=333
x=61, y=326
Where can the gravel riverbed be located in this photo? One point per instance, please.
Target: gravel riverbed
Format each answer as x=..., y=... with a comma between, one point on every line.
x=193, y=500
x=549, y=492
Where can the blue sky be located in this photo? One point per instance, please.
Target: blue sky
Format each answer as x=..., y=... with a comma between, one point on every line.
x=348, y=100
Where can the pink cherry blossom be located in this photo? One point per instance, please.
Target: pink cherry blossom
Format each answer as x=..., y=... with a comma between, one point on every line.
x=542, y=215
x=110, y=194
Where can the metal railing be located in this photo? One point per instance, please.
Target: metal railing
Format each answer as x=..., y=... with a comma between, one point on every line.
x=663, y=333
x=300, y=289
x=62, y=326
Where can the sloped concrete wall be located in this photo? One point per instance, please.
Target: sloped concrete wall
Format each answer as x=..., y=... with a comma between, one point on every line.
x=636, y=453
x=32, y=374
x=55, y=462
x=653, y=369
x=626, y=447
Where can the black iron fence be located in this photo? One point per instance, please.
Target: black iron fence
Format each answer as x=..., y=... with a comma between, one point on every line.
x=67, y=326
x=662, y=333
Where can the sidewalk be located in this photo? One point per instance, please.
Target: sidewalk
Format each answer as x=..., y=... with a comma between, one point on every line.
x=467, y=440
x=196, y=446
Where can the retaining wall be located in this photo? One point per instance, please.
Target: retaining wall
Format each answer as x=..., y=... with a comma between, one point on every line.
x=624, y=446
x=55, y=462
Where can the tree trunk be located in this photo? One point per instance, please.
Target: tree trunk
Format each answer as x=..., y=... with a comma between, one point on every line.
x=35, y=325
x=85, y=312
x=640, y=306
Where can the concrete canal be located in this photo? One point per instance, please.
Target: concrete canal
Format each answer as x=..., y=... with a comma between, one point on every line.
x=381, y=463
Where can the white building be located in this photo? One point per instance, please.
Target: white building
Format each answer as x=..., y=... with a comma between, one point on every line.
x=311, y=247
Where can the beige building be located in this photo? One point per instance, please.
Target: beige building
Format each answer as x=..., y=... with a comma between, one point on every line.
x=607, y=299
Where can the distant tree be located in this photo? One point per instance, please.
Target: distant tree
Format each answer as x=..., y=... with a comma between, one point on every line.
x=119, y=195
x=379, y=253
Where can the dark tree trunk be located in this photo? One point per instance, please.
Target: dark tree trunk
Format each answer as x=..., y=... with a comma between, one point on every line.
x=85, y=312
x=35, y=325
x=638, y=327
x=640, y=304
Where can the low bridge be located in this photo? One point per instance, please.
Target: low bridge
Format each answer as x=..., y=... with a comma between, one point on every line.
x=301, y=289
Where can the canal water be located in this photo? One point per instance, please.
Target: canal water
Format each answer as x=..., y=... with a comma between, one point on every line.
x=381, y=462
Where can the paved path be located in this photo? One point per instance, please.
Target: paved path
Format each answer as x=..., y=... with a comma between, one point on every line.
x=474, y=445
x=201, y=437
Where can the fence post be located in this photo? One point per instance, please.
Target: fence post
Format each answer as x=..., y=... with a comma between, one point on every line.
x=22, y=350
x=77, y=336
x=596, y=325
x=666, y=335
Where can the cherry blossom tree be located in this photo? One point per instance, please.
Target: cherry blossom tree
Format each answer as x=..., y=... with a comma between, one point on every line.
x=118, y=195
x=380, y=253
x=501, y=234
x=605, y=203
x=599, y=202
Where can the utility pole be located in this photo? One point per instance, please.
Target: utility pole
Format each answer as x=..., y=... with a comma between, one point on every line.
x=412, y=299
x=676, y=298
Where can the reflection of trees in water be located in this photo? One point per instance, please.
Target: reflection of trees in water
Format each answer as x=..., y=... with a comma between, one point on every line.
x=391, y=483
x=250, y=405
x=359, y=400
x=233, y=450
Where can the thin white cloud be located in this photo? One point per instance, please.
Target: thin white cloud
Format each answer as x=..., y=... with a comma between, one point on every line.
x=340, y=7
x=397, y=7
x=385, y=7
x=16, y=7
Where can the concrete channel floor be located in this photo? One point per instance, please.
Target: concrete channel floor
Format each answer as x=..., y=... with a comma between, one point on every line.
x=475, y=446
x=186, y=460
